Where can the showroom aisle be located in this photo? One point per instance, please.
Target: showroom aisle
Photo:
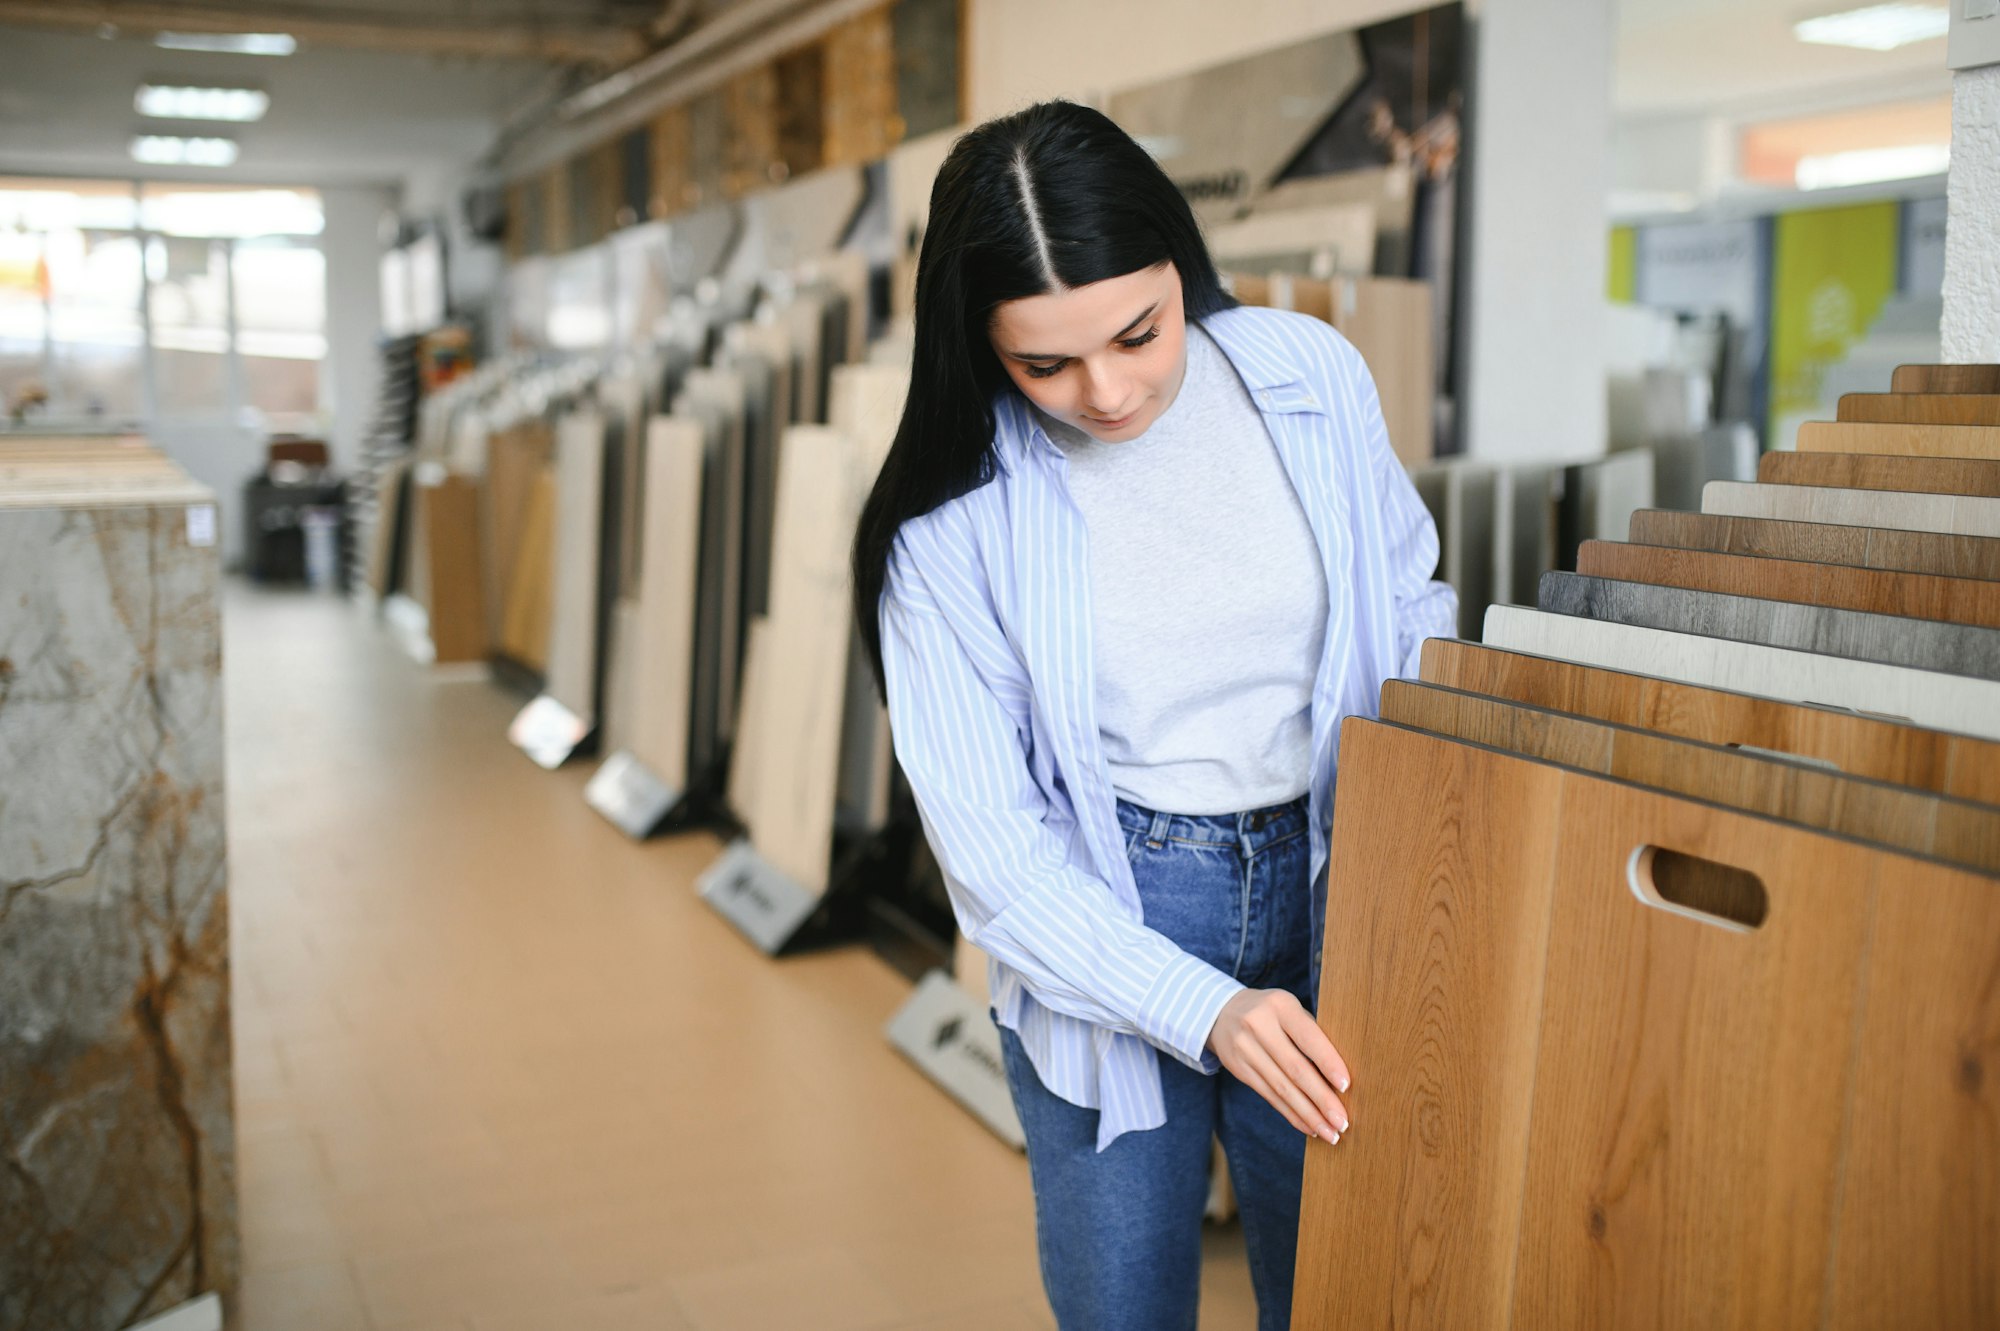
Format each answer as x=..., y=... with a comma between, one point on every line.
x=498, y=1069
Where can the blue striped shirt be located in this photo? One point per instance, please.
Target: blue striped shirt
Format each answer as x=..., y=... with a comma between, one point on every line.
x=986, y=642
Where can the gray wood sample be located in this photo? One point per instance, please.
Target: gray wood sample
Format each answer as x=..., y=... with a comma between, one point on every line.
x=1957, y=703
x=1922, y=644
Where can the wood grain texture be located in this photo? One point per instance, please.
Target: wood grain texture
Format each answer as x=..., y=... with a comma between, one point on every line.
x=1913, y=595
x=1955, y=703
x=1918, y=822
x=663, y=657
x=861, y=121
x=1940, y=441
x=1941, y=554
x=1945, y=379
x=1702, y=1140
x=1921, y=408
x=524, y=626
x=514, y=458
x=1922, y=644
x=1876, y=471
x=1954, y=514
x=453, y=589
x=1849, y=742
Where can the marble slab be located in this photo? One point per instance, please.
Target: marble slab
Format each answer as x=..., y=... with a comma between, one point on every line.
x=117, y=1156
x=1957, y=703
x=1923, y=644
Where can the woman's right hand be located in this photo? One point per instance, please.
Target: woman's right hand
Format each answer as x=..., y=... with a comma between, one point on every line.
x=1271, y=1044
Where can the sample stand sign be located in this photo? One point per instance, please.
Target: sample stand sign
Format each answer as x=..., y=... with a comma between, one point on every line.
x=951, y=1038
x=765, y=905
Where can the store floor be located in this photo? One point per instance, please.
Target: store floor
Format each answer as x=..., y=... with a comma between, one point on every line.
x=498, y=1069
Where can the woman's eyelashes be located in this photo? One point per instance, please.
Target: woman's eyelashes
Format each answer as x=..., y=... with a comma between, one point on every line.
x=1129, y=343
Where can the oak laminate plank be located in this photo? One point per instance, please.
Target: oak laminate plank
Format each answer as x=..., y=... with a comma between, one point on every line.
x=1955, y=703
x=1877, y=591
x=1574, y=1107
x=1919, y=822
x=1923, y=644
x=1876, y=471
x=1944, y=441
x=1945, y=379
x=1921, y=408
x=1953, y=514
x=1845, y=741
x=670, y=551
x=1888, y=548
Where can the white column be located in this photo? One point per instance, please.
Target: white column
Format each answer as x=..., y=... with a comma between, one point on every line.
x=1972, y=220
x=1540, y=149
x=350, y=375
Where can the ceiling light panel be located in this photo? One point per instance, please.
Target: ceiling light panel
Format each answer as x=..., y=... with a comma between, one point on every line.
x=173, y=150
x=230, y=43
x=1876, y=27
x=166, y=102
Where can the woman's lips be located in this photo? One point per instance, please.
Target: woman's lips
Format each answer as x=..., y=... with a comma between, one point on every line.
x=1117, y=424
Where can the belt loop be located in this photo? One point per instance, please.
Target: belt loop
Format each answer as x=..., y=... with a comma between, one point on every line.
x=1156, y=835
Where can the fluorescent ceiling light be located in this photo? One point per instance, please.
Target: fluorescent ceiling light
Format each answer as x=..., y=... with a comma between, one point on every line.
x=169, y=103
x=233, y=43
x=1867, y=166
x=168, y=150
x=1876, y=27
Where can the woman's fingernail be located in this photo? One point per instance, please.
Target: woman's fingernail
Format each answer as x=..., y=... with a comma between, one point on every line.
x=1343, y=1084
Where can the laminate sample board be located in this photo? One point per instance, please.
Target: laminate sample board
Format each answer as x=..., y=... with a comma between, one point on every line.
x=1912, y=595
x=574, y=626
x=1939, y=441
x=663, y=658
x=1945, y=379
x=1922, y=644
x=716, y=398
x=524, y=623
x=514, y=458
x=1955, y=514
x=1919, y=822
x=446, y=577
x=118, y=1198
x=1578, y=1104
x=792, y=722
x=1935, y=553
x=1957, y=703
x=1921, y=408
x=1843, y=741
x=1878, y=471
x=1599, y=498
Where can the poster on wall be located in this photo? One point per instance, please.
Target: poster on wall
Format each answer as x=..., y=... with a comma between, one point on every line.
x=1707, y=269
x=1835, y=268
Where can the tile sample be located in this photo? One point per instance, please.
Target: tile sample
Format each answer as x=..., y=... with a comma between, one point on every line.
x=1914, y=595
x=1854, y=508
x=1888, y=548
x=1922, y=644
x=1841, y=741
x=1550, y=1047
x=118, y=1200
x=1956, y=703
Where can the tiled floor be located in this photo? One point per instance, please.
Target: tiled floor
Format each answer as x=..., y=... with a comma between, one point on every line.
x=499, y=1070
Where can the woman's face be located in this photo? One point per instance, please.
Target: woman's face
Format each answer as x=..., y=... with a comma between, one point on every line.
x=1106, y=358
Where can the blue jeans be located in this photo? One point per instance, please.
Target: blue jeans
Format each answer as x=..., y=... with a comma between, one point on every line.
x=1119, y=1232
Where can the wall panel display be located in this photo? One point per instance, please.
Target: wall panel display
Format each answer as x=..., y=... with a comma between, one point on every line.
x=928, y=37
x=1862, y=547
x=750, y=108
x=708, y=147
x=860, y=89
x=801, y=109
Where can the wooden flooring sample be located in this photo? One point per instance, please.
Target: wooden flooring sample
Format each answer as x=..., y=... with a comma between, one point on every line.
x=524, y=625
x=1577, y=1104
x=1922, y=644
x=1938, y=441
x=1945, y=379
x=514, y=458
x=1843, y=741
x=1921, y=408
x=1919, y=822
x=1956, y=703
x=574, y=627
x=1854, y=508
x=1877, y=471
x=1912, y=595
x=663, y=659
x=451, y=584
x=1823, y=542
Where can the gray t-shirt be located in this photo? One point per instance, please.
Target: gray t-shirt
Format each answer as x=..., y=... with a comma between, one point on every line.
x=1208, y=600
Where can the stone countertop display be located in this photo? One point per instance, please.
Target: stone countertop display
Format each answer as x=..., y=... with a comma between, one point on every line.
x=117, y=1171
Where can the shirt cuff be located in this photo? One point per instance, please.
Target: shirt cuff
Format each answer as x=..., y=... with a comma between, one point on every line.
x=1180, y=1009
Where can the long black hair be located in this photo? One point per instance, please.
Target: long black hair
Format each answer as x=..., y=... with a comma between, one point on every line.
x=1050, y=198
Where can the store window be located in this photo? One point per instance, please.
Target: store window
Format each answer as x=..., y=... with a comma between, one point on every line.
x=126, y=303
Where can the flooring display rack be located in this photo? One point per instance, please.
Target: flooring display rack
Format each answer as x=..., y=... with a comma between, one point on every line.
x=1663, y=922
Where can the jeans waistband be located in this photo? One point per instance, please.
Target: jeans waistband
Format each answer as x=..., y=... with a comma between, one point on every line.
x=1261, y=826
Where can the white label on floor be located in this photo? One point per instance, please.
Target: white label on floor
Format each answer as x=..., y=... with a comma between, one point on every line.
x=201, y=524
x=951, y=1038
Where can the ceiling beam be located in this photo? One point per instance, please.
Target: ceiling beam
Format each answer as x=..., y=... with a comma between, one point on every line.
x=610, y=46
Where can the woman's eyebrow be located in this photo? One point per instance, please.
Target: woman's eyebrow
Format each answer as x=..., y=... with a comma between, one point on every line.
x=1115, y=337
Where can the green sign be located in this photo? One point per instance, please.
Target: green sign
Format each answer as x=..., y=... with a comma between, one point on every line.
x=1832, y=270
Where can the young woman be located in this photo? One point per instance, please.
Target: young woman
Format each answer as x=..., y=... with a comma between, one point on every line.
x=1135, y=552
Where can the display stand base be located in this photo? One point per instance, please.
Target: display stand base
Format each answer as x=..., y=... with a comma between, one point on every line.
x=627, y=793
x=549, y=733
x=766, y=906
x=953, y=1040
